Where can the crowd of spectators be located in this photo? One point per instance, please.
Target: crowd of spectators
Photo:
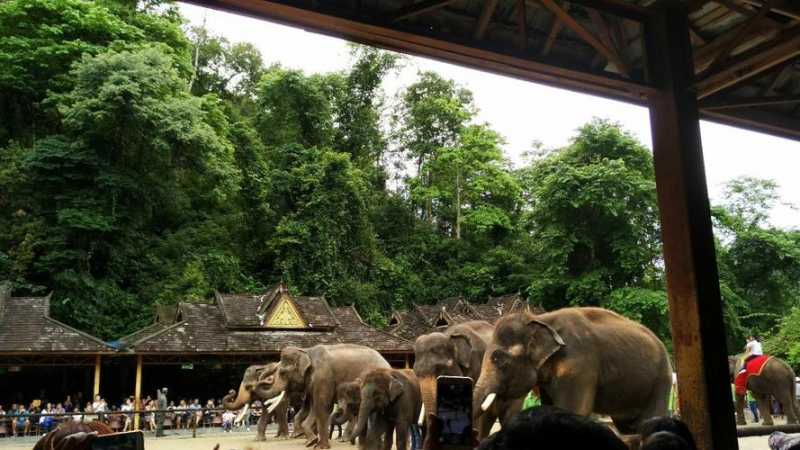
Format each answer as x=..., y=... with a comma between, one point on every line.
x=39, y=416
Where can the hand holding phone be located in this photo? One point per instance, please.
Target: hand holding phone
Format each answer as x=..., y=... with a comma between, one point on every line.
x=454, y=413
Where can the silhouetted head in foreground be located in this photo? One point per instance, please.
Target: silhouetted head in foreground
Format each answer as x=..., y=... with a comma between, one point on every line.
x=659, y=425
x=548, y=427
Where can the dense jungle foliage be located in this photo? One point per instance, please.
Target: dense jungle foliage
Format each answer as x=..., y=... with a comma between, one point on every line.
x=144, y=162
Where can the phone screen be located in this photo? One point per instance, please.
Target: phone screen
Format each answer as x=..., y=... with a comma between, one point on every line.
x=454, y=409
x=133, y=440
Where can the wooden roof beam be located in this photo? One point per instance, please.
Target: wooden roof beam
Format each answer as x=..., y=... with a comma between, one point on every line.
x=522, y=25
x=486, y=17
x=786, y=11
x=553, y=34
x=605, y=32
x=727, y=103
x=737, y=35
x=422, y=7
x=784, y=47
x=587, y=36
x=783, y=74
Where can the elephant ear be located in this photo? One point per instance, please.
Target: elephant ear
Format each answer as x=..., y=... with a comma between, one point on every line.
x=395, y=388
x=544, y=342
x=303, y=362
x=462, y=348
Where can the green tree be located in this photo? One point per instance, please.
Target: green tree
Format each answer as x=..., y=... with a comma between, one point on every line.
x=592, y=219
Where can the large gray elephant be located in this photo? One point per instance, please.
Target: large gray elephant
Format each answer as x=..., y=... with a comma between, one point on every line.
x=318, y=371
x=252, y=376
x=777, y=380
x=390, y=402
x=458, y=351
x=585, y=360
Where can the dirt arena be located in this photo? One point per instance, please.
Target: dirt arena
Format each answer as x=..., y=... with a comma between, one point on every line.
x=244, y=441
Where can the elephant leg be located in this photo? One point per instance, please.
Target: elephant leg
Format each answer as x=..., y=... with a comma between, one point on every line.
x=740, y=420
x=299, y=421
x=261, y=427
x=348, y=429
x=387, y=436
x=576, y=395
x=308, y=427
x=787, y=400
x=320, y=412
x=282, y=419
x=401, y=437
x=764, y=408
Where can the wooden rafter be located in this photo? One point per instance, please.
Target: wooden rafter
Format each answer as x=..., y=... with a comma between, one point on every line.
x=587, y=36
x=747, y=12
x=726, y=103
x=486, y=16
x=786, y=11
x=737, y=35
x=553, y=34
x=782, y=75
x=742, y=67
x=604, y=32
x=704, y=54
x=422, y=7
x=522, y=25
x=696, y=35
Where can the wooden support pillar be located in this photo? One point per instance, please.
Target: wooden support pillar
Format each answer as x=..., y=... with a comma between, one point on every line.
x=695, y=305
x=137, y=392
x=97, y=366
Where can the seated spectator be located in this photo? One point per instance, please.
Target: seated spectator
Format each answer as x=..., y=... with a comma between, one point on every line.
x=181, y=415
x=88, y=413
x=76, y=414
x=68, y=406
x=46, y=421
x=150, y=417
x=227, y=420
x=20, y=421
x=670, y=425
x=198, y=412
x=127, y=414
x=2, y=411
x=546, y=427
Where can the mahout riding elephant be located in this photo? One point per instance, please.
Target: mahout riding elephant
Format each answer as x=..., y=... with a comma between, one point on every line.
x=458, y=351
x=252, y=376
x=348, y=400
x=318, y=371
x=390, y=402
x=585, y=360
x=777, y=379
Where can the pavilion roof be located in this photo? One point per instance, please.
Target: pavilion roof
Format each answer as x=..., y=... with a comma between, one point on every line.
x=26, y=327
x=422, y=319
x=261, y=323
x=746, y=54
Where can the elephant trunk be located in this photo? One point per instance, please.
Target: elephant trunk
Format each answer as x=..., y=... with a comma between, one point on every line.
x=242, y=398
x=364, y=411
x=485, y=392
x=427, y=387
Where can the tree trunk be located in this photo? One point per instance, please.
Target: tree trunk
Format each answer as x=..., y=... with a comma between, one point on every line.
x=458, y=203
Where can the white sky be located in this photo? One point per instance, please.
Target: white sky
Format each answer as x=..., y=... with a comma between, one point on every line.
x=524, y=112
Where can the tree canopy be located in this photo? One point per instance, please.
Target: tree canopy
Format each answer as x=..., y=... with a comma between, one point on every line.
x=147, y=162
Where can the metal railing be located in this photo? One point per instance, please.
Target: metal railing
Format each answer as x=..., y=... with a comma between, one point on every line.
x=194, y=420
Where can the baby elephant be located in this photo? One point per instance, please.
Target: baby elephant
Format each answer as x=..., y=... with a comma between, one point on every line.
x=390, y=399
x=348, y=399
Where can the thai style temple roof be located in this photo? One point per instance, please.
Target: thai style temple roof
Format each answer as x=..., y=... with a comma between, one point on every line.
x=422, y=319
x=244, y=323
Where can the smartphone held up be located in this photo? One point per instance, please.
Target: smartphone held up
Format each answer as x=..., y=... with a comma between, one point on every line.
x=454, y=411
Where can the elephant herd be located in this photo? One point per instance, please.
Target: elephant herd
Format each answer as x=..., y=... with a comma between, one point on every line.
x=585, y=360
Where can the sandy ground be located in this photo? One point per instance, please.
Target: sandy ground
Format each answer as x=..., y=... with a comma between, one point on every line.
x=244, y=441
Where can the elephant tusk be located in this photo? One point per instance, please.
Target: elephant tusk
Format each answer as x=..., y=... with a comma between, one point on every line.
x=488, y=401
x=421, y=420
x=275, y=402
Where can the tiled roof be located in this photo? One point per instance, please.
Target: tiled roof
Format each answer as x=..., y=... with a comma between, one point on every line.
x=26, y=327
x=422, y=319
x=214, y=328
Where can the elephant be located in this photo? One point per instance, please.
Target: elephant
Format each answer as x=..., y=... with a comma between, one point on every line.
x=252, y=376
x=777, y=379
x=390, y=400
x=318, y=371
x=585, y=360
x=458, y=351
x=348, y=399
